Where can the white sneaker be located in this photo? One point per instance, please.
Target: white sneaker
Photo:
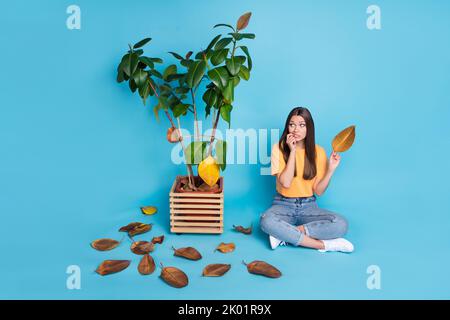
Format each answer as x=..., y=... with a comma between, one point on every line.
x=274, y=242
x=339, y=244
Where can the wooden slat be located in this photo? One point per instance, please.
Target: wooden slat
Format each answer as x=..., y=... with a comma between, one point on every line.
x=196, y=230
x=195, y=206
x=192, y=200
x=196, y=212
x=188, y=211
x=172, y=218
x=196, y=224
x=173, y=187
x=196, y=195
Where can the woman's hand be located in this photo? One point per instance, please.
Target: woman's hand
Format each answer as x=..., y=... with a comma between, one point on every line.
x=290, y=140
x=333, y=163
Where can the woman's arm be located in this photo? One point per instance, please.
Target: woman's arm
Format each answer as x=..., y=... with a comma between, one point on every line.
x=286, y=176
x=333, y=163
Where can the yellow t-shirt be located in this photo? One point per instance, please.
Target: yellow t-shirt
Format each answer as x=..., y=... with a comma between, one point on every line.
x=299, y=186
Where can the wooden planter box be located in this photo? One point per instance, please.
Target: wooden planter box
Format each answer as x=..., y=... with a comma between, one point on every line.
x=196, y=212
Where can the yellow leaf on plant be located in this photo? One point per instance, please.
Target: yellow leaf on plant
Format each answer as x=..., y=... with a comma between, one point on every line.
x=209, y=171
x=149, y=210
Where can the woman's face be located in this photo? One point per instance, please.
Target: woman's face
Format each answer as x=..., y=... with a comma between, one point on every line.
x=297, y=126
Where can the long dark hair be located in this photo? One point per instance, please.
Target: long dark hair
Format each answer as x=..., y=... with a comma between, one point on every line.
x=310, y=170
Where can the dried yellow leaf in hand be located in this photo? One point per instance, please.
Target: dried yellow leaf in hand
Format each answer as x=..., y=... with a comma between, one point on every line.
x=344, y=139
x=209, y=171
x=149, y=210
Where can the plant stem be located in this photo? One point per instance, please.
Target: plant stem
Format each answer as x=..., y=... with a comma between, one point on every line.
x=213, y=116
x=189, y=167
x=195, y=114
x=165, y=111
x=213, y=133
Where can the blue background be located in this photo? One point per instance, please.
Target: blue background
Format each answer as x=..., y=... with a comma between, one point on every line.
x=80, y=154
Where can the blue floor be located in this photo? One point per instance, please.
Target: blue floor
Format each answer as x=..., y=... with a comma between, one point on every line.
x=80, y=153
x=410, y=267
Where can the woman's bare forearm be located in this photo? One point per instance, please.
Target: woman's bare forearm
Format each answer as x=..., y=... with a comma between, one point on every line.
x=286, y=176
x=322, y=185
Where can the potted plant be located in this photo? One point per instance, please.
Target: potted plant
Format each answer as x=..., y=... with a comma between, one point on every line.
x=223, y=64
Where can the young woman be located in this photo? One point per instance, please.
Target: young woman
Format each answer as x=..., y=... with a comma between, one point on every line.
x=302, y=169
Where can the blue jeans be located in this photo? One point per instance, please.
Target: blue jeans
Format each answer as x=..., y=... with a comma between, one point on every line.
x=285, y=214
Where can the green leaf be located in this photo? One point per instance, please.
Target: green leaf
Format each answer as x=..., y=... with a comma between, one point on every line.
x=139, y=52
x=132, y=85
x=152, y=86
x=195, y=73
x=239, y=36
x=219, y=56
x=120, y=77
x=172, y=69
x=144, y=91
x=224, y=25
x=234, y=64
x=244, y=73
x=180, y=109
x=176, y=55
x=175, y=76
x=181, y=90
x=228, y=92
x=221, y=153
x=186, y=63
x=120, y=73
x=173, y=101
x=140, y=77
x=164, y=103
x=165, y=89
x=195, y=152
x=236, y=80
x=156, y=111
x=182, y=80
x=248, y=35
x=225, y=113
x=219, y=76
x=249, y=59
x=156, y=60
x=210, y=97
x=141, y=43
x=212, y=43
x=155, y=73
x=207, y=111
x=222, y=43
x=208, y=54
x=130, y=63
x=147, y=62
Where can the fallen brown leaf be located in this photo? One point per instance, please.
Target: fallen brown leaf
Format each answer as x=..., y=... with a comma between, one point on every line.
x=104, y=244
x=112, y=266
x=263, y=268
x=188, y=253
x=216, y=270
x=226, y=247
x=174, y=277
